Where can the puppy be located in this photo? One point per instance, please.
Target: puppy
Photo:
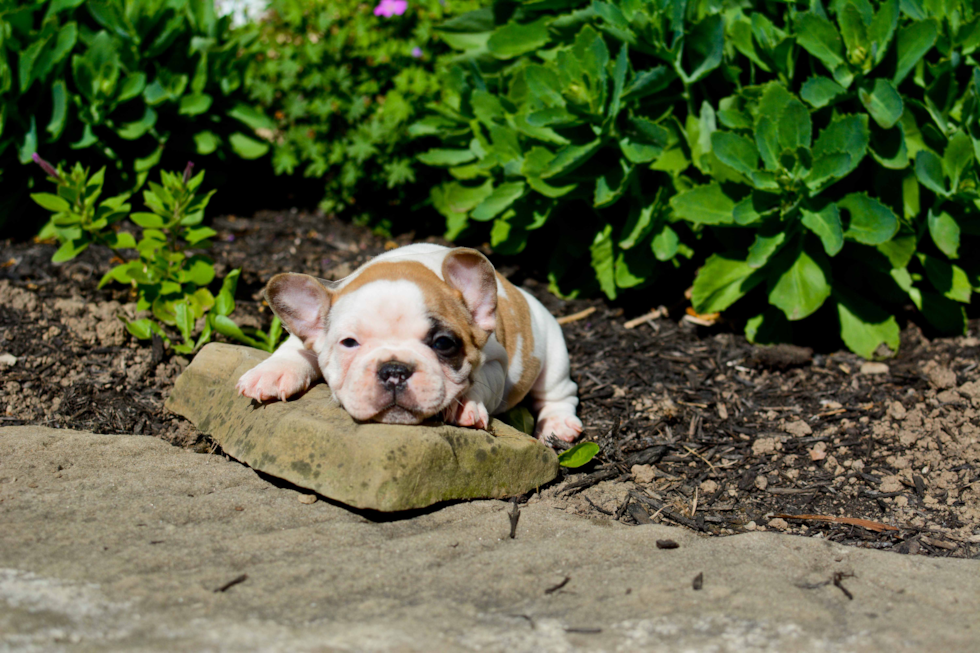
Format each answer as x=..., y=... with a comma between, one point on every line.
x=416, y=332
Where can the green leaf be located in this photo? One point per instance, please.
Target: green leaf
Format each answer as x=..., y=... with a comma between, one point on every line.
x=444, y=157
x=882, y=28
x=847, y=134
x=801, y=289
x=603, y=259
x=826, y=225
x=948, y=279
x=205, y=142
x=131, y=87
x=514, y=39
x=899, y=250
x=612, y=183
x=70, y=249
x=819, y=37
x=889, y=149
x=768, y=328
x=795, y=127
x=945, y=314
x=864, y=326
x=121, y=240
x=855, y=34
x=871, y=222
x=821, y=91
x=704, y=205
x=945, y=232
x=704, y=46
x=196, y=235
x=830, y=166
x=51, y=202
x=929, y=172
x=143, y=329
x=133, y=130
x=247, y=148
x=649, y=81
x=764, y=246
x=721, y=282
x=59, y=109
x=570, y=157
x=882, y=101
x=957, y=158
x=147, y=220
x=224, y=303
x=227, y=327
x=914, y=41
x=520, y=418
x=735, y=151
x=194, y=104
x=619, y=78
x=498, y=201
x=578, y=455
x=251, y=117
x=665, y=244
x=184, y=320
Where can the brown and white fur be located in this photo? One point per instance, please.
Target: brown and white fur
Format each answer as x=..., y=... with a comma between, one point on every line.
x=419, y=331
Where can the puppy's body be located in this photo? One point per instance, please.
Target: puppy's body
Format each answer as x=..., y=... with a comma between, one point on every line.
x=418, y=331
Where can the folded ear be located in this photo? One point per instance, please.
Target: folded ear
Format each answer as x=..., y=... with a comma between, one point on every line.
x=469, y=272
x=302, y=303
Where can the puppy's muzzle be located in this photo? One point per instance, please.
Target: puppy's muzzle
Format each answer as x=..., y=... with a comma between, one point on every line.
x=394, y=375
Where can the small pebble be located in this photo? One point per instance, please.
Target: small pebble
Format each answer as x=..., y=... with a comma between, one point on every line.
x=7, y=360
x=667, y=544
x=307, y=498
x=778, y=524
x=698, y=581
x=874, y=368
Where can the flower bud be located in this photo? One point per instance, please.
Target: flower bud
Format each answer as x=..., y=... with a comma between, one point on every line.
x=187, y=171
x=47, y=167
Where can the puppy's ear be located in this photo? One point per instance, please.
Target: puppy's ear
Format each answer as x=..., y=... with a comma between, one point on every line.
x=302, y=303
x=469, y=272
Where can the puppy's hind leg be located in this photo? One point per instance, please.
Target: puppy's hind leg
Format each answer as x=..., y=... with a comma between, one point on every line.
x=554, y=394
x=289, y=371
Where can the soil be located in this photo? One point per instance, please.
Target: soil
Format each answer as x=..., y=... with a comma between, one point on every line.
x=696, y=426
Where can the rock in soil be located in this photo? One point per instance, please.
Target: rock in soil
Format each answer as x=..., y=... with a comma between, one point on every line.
x=313, y=442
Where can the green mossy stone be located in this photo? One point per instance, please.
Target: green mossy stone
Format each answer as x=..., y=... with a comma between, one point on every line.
x=314, y=443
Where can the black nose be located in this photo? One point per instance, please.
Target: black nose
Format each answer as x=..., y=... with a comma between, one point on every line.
x=394, y=374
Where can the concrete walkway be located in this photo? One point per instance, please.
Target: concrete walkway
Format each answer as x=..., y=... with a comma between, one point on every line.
x=118, y=543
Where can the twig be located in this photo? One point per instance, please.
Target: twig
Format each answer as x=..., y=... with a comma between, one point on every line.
x=234, y=581
x=575, y=317
x=838, y=577
x=852, y=521
x=646, y=317
x=555, y=588
x=690, y=450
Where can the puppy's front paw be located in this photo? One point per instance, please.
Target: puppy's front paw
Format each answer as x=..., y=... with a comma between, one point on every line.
x=468, y=413
x=277, y=381
x=559, y=426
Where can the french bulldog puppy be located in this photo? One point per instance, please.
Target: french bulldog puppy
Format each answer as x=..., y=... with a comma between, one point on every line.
x=416, y=332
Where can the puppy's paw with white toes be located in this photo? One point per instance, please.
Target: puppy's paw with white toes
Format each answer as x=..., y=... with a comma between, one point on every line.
x=264, y=383
x=563, y=427
x=468, y=413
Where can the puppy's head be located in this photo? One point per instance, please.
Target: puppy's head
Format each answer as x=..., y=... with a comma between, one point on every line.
x=396, y=343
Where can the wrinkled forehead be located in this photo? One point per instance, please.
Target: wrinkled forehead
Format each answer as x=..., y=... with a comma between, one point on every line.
x=383, y=309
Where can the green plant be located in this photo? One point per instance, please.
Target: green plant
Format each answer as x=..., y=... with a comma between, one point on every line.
x=819, y=159
x=343, y=84
x=578, y=455
x=120, y=83
x=171, y=274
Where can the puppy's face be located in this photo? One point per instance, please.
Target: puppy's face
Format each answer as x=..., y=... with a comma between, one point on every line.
x=396, y=344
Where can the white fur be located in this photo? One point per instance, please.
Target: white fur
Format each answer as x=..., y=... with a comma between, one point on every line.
x=389, y=320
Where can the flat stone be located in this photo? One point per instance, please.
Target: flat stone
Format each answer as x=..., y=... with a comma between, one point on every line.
x=118, y=543
x=314, y=443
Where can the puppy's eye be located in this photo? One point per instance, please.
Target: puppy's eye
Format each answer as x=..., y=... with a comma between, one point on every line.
x=349, y=343
x=445, y=345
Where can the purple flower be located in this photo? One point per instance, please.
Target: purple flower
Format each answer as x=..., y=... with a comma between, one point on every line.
x=417, y=52
x=389, y=8
x=47, y=167
x=187, y=171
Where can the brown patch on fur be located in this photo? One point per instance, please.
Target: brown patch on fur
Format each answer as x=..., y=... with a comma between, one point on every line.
x=446, y=303
x=513, y=319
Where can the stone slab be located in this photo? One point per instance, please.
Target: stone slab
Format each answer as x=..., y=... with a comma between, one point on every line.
x=313, y=443
x=117, y=543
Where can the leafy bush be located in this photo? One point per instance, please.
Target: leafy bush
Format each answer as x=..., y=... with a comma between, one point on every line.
x=171, y=274
x=119, y=83
x=816, y=158
x=343, y=84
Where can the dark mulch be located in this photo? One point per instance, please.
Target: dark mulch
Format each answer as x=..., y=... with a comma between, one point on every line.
x=696, y=426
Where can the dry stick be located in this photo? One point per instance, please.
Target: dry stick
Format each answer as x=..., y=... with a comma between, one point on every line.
x=646, y=317
x=575, y=317
x=232, y=583
x=514, y=515
x=690, y=450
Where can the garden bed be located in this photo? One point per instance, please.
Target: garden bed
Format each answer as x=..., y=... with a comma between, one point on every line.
x=696, y=425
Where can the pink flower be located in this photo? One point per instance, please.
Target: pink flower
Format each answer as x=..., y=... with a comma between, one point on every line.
x=47, y=167
x=389, y=8
x=417, y=52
